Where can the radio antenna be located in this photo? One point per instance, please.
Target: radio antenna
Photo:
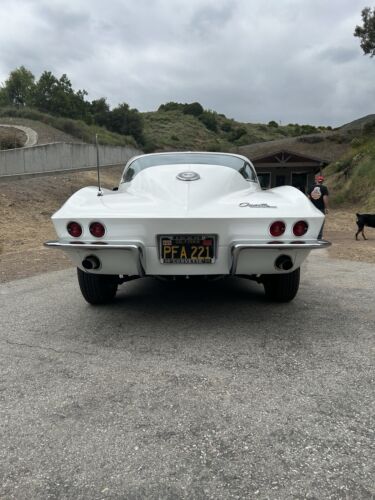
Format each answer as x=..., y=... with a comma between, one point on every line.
x=100, y=192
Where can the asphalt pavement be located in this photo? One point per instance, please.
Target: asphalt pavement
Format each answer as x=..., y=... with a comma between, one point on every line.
x=189, y=390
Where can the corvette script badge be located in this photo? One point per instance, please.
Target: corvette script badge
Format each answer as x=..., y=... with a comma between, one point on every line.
x=256, y=205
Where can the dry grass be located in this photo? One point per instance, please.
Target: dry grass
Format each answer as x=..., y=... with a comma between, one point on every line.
x=11, y=138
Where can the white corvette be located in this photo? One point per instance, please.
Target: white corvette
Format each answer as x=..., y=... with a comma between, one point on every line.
x=185, y=215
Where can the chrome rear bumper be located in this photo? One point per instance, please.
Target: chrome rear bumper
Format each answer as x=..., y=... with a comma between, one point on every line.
x=92, y=246
x=135, y=252
x=140, y=256
x=306, y=244
x=237, y=248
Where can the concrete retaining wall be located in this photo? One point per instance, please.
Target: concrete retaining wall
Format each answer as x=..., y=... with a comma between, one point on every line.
x=61, y=156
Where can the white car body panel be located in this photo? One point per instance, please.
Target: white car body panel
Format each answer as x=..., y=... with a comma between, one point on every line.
x=155, y=202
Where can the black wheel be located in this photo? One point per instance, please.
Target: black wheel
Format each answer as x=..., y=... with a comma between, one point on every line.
x=97, y=288
x=281, y=287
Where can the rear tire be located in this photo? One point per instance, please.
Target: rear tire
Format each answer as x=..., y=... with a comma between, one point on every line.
x=97, y=288
x=281, y=287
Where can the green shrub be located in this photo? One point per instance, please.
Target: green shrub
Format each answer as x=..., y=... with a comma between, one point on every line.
x=283, y=131
x=226, y=126
x=194, y=109
x=237, y=134
x=307, y=129
x=208, y=118
x=149, y=146
x=72, y=127
x=369, y=127
x=171, y=106
x=297, y=129
x=356, y=142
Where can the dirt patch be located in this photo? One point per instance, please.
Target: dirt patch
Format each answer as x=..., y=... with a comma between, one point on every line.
x=11, y=138
x=27, y=205
x=340, y=229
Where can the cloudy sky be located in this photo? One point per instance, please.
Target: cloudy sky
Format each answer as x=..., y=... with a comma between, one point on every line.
x=253, y=60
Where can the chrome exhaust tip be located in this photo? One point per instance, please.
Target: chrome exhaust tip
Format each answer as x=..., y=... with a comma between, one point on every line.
x=91, y=262
x=284, y=262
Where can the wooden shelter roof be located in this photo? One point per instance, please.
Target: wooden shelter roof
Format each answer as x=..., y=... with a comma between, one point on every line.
x=322, y=147
x=287, y=157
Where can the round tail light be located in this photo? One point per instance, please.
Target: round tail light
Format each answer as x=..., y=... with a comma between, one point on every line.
x=97, y=229
x=277, y=228
x=300, y=228
x=74, y=229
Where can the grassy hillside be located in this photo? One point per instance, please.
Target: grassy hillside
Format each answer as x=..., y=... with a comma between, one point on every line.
x=165, y=130
x=76, y=128
x=352, y=178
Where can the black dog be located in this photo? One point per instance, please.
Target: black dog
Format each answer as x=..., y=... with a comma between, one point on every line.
x=362, y=221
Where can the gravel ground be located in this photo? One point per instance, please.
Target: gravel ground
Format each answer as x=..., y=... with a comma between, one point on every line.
x=182, y=392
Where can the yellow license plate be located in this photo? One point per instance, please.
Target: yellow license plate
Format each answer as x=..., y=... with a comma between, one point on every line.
x=187, y=249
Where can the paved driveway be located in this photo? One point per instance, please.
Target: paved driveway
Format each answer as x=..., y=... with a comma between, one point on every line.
x=177, y=391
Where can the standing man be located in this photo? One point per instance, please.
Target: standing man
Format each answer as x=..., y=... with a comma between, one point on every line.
x=318, y=195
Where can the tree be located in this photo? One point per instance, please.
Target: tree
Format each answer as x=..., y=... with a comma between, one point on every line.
x=56, y=96
x=171, y=106
x=18, y=87
x=99, y=109
x=126, y=121
x=69, y=103
x=4, y=101
x=194, y=108
x=46, y=94
x=44, y=91
x=366, y=33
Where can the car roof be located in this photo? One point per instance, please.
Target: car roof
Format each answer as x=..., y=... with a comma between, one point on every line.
x=188, y=152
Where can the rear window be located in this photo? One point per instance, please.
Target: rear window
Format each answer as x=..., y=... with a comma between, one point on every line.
x=238, y=164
